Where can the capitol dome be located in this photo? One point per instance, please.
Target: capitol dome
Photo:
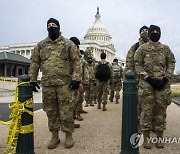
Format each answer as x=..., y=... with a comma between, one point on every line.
x=98, y=31
x=98, y=40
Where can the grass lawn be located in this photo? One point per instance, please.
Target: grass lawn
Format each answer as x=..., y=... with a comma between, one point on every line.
x=175, y=90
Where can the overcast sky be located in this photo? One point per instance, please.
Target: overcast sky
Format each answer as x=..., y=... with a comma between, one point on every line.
x=24, y=21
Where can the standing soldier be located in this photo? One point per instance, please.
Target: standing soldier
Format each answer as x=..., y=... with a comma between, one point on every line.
x=59, y=61
x=79, y=97
x=84, y=82
x=154, y=63
x=130, y=65
x=116, y=84
x=95, y=84
x=89, y=92
x=103, y=73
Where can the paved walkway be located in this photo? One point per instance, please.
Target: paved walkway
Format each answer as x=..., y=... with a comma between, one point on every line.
x=100, y=133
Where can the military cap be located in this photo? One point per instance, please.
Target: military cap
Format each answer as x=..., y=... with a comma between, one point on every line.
x=54, y=21
x=75, y=40
x=152, y=28
x=143, y=27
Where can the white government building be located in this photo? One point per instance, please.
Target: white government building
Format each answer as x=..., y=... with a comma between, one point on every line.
x=97, y=38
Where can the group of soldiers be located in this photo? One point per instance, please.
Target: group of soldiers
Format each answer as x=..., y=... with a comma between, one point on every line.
x=96, y=89
x=71, y=75
x=153, y=64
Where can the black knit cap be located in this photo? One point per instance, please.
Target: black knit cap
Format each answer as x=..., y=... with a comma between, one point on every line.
x=143, y=27
x=115, y=60
x=54, y=21
x=152, y=28
x=75, y=40
x=103, y=55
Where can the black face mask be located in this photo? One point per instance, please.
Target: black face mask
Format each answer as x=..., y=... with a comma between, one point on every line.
x=53, y=33
x=90, y=61
x=155, y=37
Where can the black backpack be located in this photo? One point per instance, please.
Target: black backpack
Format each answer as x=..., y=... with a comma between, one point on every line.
x=102, y=72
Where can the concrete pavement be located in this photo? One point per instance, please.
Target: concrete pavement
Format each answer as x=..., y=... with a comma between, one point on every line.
x=100, y=132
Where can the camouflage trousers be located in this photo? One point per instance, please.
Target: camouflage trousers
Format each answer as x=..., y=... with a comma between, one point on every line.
x=58, y=103
x=102, y=92
x=89, y=92
x=95, y=91
x=115, y=89
x=153, y=105
x=79, y=100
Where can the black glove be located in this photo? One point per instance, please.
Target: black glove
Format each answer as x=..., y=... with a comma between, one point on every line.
x=35, y=85
x=153, y=82
x=162, y=83
x=74, y=85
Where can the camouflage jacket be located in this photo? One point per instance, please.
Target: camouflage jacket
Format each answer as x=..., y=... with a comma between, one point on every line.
x=59, y=62
x=156, y=61
x=130, y=65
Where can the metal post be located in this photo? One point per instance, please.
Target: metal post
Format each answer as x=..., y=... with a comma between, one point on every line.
x=129, y=115
x=25, y=144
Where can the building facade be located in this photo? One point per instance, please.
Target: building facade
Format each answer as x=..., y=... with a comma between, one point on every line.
x=13, y=65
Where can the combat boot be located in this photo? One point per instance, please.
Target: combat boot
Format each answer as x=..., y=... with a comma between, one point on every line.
x=77, y=125
x=117, y=102
x=54, y=140
x=146, y=135
x=111, y=99
x=87, y=104
x=83, y=111
x=69, y=141
x=104, y=107
x=79, y=116
x=91, y=103
x=160, y=143
x=99, y=106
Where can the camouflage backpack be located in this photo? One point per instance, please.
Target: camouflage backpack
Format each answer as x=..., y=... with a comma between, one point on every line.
x=116, y=73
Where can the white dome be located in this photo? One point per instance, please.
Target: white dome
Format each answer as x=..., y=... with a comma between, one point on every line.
x=98, y=31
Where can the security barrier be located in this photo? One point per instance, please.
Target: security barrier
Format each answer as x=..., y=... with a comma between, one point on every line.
x=8, y=79
x=21, y=133
x=129, y=114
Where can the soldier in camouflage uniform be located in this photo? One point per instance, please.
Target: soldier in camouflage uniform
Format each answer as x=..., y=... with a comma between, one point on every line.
x=116, y=84
x=80, y=94
x=102, y=85
x=130, y=55
x=59, y=60
x=95, y=84
x=89, y=93
x=154, y=63
x=130, y=65
x=84, y=82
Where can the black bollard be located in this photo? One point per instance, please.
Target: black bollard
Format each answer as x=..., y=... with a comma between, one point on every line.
x=25, y=143
x=129, y=115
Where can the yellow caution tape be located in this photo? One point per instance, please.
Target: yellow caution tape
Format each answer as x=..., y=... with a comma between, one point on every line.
x=10, y=80
x=18, y=108
x=4, y=123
